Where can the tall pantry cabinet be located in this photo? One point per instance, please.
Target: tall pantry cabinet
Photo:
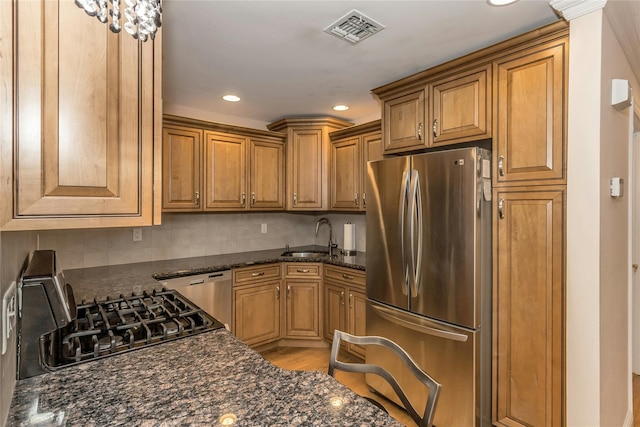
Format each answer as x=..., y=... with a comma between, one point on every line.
x=80, y=120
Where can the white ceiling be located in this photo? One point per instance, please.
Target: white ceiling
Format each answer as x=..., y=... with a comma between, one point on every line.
x=276, y=57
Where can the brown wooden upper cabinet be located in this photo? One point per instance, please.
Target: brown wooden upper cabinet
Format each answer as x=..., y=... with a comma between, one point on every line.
x=215, y=167
x=530, y=93
x=351, y=149
x=445, y=110
x=461, y=107
x=307, y=164
x=81, y=123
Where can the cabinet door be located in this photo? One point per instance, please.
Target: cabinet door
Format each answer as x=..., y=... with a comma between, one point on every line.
x=84, y=120
x=529, y=133
x=257, y=313
x=461, y=111
x=307, y=159
x=334, y=309
x=302, y=309
x=224, y=171
x=528, y=343
x=266, y=175
x=181, y=166
x=356, y=321
x=371, y=150
x=403, y=122
x=345, y=174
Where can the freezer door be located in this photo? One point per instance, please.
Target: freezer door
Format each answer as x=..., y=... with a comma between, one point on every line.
x=449, y=354
x=448, y=218
x=388, y=184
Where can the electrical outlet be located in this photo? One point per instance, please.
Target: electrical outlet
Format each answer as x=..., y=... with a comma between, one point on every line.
x=8, y=315
x=137, y=234
x=263, y=230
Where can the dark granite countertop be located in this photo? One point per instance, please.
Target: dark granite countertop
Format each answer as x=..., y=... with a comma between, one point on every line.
x=114, y=280
x=192, y=381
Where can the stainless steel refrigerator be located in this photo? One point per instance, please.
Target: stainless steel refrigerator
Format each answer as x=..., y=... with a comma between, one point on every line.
x=428, y=227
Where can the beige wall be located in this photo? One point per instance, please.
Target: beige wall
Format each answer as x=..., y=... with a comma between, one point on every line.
x=598, y=371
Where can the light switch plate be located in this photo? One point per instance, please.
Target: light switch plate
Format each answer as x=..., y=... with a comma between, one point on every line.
x=8, y=315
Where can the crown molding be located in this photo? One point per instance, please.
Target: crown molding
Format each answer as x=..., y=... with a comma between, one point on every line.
x=571, y=9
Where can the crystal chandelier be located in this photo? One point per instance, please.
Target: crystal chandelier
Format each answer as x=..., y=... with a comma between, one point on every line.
x=142, y=16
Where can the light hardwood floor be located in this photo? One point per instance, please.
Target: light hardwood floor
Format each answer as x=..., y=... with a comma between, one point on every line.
x=317, y=359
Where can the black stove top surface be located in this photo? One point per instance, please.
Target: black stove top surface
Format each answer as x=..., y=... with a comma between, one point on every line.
x=105, y=328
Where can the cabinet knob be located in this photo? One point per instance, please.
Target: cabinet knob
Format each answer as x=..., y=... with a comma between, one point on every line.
x=342, y=297
x=244, y=198
x=364, y=199
x=277, y=292
x=350, y=300
x=420, y=131
x=295, y=199
x=253, y=198
x=501, y=165
x=501, y=208
x=355, y=200
x=288, y=291
x=197, y=197
x=435, y=128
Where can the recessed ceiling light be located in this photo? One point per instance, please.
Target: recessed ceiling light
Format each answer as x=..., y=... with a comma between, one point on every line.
x=231, y=98
x=341, y=107
x=500, y=2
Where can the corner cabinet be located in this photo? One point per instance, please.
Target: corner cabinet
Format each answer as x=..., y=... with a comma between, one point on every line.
x=307, y=164
x=351, y=149
x=215, y=167
x=303, y=282
x=81, y=127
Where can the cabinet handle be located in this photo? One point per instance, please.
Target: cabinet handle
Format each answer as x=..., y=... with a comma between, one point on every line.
x=342, y=297
x=634, y=267
x=295, y=199
x=435, y=128
x=277, y=292
x=355, y=200
x=420, y=131
x=288, y=291
x=350, y=300
x=302, y=270
x=197, y=197
x=253, y=198
x=364, y=199
x=501, y=165
x=346, y=276
x=501, y=208
x=244, y=198
x=260, y=273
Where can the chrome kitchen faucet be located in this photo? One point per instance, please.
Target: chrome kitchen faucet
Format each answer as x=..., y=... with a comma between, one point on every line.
x=331, y=245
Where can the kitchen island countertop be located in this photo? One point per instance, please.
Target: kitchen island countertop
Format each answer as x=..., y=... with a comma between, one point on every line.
x=192, y=381
x=114, y=280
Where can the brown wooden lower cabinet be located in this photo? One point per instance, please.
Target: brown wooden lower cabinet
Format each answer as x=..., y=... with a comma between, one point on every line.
x=344, y=304
x=528, y=340
x=302, y=316
x=257, y=312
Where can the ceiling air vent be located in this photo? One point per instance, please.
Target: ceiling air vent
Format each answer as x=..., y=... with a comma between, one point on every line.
x=354, y=27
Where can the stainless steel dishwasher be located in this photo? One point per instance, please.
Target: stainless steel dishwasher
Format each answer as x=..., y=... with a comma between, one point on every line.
x=210, y=291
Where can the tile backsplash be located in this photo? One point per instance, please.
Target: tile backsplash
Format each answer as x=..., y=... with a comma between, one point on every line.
x=193, y=235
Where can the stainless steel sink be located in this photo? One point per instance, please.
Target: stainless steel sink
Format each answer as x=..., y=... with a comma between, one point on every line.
x=305, y=254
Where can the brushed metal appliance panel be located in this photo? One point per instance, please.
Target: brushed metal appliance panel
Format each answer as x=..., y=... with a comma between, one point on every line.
x=449, y=280
x=451, y=355
x=385, y=203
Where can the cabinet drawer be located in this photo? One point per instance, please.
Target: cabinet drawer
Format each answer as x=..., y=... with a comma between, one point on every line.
x=257, y=273
x=300, y=269
x=344, y=275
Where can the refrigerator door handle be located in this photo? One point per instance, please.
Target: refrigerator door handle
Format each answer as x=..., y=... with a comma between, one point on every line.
x=415, y=231
x=402, y=222
x=396, y=317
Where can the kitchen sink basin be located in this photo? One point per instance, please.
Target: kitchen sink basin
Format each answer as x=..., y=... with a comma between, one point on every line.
x=305, y=254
